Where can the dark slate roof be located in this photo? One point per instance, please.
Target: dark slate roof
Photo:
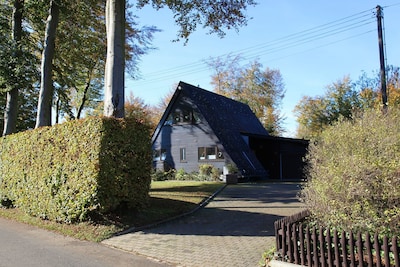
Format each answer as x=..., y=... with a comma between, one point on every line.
x=229, y=119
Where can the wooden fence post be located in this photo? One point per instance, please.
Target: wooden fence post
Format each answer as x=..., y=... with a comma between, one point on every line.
x=377, y=247
x=396, y=251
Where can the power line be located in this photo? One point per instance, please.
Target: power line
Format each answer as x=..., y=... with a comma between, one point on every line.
x=279, y=41
x=324, y=31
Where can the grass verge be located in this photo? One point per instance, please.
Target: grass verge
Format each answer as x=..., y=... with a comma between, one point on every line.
x=167, y=199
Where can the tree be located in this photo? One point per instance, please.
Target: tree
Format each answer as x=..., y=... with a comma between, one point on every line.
x=262, y=90
x=314, y=114
x=370, y=88
x=78, y=74
x=346, y=99
x=10, y=113
x=393, y=86
x=46, y=84
x=136, y=108
x=18, y=69
x=311, y=116
x=215, y=15
x=114, y=93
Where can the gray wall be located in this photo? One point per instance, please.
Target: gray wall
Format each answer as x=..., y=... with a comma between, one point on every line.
x=190, y=137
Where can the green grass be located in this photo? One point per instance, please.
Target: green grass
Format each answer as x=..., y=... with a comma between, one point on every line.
x=167, y=199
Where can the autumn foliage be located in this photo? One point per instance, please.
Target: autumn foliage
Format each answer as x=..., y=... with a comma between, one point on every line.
x=354, y=174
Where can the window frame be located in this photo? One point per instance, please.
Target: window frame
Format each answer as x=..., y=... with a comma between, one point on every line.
x=159, y=154
x=210, y=153
x=182, y=154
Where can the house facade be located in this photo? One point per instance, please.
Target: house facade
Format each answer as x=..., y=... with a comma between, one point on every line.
x=200, y=127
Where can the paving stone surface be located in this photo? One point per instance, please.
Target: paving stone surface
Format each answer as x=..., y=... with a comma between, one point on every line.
x=234, y=229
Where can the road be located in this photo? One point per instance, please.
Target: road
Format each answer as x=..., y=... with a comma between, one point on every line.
x=25, y=245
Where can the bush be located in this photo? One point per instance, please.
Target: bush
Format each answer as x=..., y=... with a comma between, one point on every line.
x=61, y=173
x=159, y=175
x=354, y=174
x=215, y=174
x=205, y=169
x=206, y=173
x=181, y=175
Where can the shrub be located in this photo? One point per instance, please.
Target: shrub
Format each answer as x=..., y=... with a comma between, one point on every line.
x=207, y=173
x=215, y=174
x=181, y=175
x=63, y=172
x=354, y=174
x=159, y=175
x=205, y=169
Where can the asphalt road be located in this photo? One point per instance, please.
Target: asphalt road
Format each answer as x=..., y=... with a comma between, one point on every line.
x=24, y=245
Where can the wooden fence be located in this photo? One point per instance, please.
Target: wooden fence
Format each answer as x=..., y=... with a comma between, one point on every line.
x=311, y=246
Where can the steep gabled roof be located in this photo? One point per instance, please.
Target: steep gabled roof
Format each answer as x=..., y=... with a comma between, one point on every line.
x=229, y=120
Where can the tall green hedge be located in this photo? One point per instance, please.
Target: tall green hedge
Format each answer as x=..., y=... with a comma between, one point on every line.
x=63, y=172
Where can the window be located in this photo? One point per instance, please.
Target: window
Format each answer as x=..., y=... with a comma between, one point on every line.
x=177, y=116
x=183, y=154
x=159, y=155
x=210, y=153
x=183, y=115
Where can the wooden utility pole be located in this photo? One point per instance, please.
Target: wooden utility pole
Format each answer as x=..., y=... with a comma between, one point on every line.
x=379, y=17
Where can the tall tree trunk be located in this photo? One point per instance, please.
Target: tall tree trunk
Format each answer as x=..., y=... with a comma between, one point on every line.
x=114, y=91
x=46, y=85
x=11, y=111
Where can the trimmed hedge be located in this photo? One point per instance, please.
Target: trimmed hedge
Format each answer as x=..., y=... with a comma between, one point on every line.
x=63, y=172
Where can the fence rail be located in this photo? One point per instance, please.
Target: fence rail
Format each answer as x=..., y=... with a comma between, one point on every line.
x=312, y=246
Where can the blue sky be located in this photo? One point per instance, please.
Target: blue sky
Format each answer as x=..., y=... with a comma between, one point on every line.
x=313, y=43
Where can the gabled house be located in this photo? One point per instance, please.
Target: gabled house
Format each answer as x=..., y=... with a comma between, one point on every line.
x=201, y=127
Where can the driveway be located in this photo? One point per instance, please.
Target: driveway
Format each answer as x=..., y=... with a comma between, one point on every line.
x=234, y=229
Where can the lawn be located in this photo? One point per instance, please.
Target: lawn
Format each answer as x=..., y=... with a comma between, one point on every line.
x=167, y=199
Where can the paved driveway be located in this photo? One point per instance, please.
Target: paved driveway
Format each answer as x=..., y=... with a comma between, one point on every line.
x=232, y=230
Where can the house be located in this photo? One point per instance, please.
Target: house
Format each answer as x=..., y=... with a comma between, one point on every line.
x=201, y=127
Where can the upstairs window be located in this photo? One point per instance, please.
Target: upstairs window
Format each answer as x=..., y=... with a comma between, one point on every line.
x=183, y=115
x=210, y=153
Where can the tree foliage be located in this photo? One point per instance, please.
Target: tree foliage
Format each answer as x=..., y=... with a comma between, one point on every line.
x=136, y=108
x=314, y=114
x=346, y=99
x=18, y=70
x=217, y=16
x=77, y=75
x=370, y=92
x=262, y=89
x=353, y=174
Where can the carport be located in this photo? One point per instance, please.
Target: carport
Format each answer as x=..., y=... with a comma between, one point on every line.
x=282, y=157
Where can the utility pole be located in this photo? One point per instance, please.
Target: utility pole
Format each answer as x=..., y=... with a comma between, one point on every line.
x=379, y=17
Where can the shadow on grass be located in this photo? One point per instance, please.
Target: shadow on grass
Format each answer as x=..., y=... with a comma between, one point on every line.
x=159, y=209
x=189, y=188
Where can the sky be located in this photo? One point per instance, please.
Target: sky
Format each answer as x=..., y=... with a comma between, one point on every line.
x=313, y=43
